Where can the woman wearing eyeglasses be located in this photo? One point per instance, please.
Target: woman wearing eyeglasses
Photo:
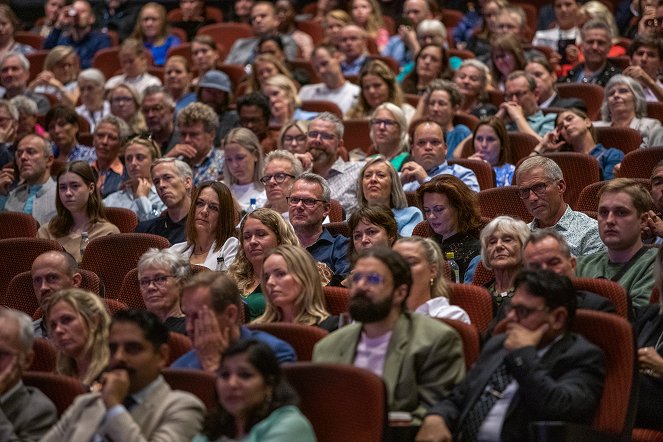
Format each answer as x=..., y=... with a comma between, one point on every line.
x=161, y=274
x=210, y=228
x=125, y=103
x=242, y=167
x=452, y=212
x=388, y=131
x=279, y=174
x=293, y=137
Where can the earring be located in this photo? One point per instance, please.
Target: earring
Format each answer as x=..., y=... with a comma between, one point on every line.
x=432, y=281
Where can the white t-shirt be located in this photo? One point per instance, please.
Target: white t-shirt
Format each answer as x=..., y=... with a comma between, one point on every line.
x=344, y=96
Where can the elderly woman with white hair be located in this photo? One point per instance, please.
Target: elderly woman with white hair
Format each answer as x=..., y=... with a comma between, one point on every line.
x=27, y=117
x=161, y=274
x=93, y=105
x=472, y=78
x=624, y=105
x=388, y=131
x=379, y=185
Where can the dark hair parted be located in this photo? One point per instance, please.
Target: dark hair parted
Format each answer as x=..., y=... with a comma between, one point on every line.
x=460, y=197
x=556, y=290
x=223, y=290
x=506, y=155
x=221, y=423
x=153, y=329
x=225, y=227
x=61, y=112
x=380, y=216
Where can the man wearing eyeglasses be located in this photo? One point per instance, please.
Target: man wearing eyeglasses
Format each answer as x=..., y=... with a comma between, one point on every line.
x=419, y=358
x=278, y=176
x=158, y=108
x=536, y=370
x=520, y=110
x=323, y=141
x=541, y=188
x=308, y=207
x=429, y=158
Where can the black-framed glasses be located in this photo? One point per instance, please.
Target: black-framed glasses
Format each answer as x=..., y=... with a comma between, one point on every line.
x=538, y=189
x=159, y=281
x=523, y=312
x=371, y=278
x=327, y=136
x=307, y=202
x=382, y=121
x=287, y=139
x=278, y=177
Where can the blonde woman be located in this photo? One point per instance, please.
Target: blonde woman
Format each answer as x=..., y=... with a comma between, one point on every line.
x=152, y=30
x=293, y=289
x=242, y=167
x=125, y=103
x=58, y=78
x=284, y=100
x=264, y=67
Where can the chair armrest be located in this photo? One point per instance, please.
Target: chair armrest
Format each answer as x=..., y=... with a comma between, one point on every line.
x=557, y=431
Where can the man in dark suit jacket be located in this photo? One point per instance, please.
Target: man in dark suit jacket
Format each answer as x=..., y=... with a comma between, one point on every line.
x=26, y=414
x=535, y=371
x=545, y=77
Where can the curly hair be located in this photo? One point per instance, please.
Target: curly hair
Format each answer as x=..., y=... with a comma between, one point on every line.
x=198, y=112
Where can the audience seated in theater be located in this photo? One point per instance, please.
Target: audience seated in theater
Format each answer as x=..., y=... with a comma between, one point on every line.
x=403, y=46
x=293, y=290
x=133, y=399
x=326, y=61
x=623, y=209
x=429, y=158
x=506, y=56
x=440, y=102
x=27, y=117
x=371, y=227
x=254, y=114
x=286, y=15
x=429, y=294
x=354, y=47
x=646, y=61
x=35, y=195
x=51, y=14
x=125, y=103
x=624, y=105
x=419, y=358
x=564, y=37
x=264, y=66
x=215, y=90
x=279, y=173
x=116, y=15
x=454, y=218
x=63, y=127
x=79, y=210
x=177, y=81
x=133, y=61
x=198, y=125
x=333, y=21
x=159, y=110
x=26, y=412
x=138, y=194
x=378, y=85
x=259, y=232
x=51, y=272
x=308, y=205
x=242, y=167
x=536, y=370
x=77, y=324
x=161, y=274
x=284, y=102
x=272, y=413
x=210, y=228
x=110, y=136
x=14, y=75
x=213, y=307
x=545, y=76
x=9, y=118
x=379, y=186
x=652, y=229
x=240, y=12
x=472, y=78
x=59, y=76
x=490, y=143
x=152, y=31
x=272, y=44
x=172, y=179
x=94, y=105
x=74, y=27
x=368, y=15
x=194, y=17
x=204, y=55
x=541, y=187
x=388, y=132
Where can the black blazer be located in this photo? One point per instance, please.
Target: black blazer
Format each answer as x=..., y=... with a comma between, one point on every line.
x=568, y=103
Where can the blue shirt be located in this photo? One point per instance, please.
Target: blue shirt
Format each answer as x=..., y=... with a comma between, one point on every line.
x=283, y=351
x=608, y=158
x=539, y=122
x=353, y=67
x=504, y=174
x=210, y=169
x=185, y=101
x=460, y=172
x=85, y=48
x=407, y=219
x=454, y=138
x=159, y=52
x=397, y=50
x=333, y=251
x=79, y=152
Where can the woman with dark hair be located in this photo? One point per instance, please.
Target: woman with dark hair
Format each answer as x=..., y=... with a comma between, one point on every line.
x=152, y=30
x=210, y=227
x=507, y=55
x=574, y=132
x=452, y=212
x=255, y=401
x=62, y=126
x=371, y=227
x=378, y=85
x=293, y=289
x=286, y=14
x=80, y=212
x=490, y=143
x=431, y=62
x=272, y=44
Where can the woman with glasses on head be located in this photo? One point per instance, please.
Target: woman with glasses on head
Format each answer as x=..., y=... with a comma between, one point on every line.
x=293, y=289
x=429, y=294
x=259, y=232
x=388, y=131
x=210, y=228
x=161, y=274
x=125, y=103
x=378, y=185
x=279, y=174
x=242, y=167
x=453, y=215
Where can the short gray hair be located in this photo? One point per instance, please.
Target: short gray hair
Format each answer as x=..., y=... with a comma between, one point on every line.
x=22, y=59
x=640, y=101
x=551, y=168
x=45, y=147
x=314, y=178
x=25, y=330
x=156, y=89
x=399, y=116
x=119, y=123
x=94, y=75
x=505, y=224
x=297, y=168
x=538, y=235
x=176, y=263
x=331, y=118
x=183, y=169
x=11, y=109
x=24, y=105
x=596, y=23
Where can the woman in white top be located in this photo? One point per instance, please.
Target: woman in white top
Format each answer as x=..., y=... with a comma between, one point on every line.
x=210, y=227
x=624, y=105
x=242, y=167
x=93, y=106
x=428, y=294
x=279, y=174
x=134, y=68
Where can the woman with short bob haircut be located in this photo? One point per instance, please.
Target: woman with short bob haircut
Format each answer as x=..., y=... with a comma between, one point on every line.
x=395, y=149
x=382, y=229
x=78, y=324
x=293, y=289
x=210, y=227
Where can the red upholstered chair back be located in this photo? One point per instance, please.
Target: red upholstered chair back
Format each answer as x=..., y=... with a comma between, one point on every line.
x=588, y=201
x=640, y=163
x=124, y=219
x=591, y=94
x=580, y=170
x=130, y=291
x=302, y=337
x=62, y=390
x=17, y=225
x=336, y=299
x=608, y=289
x=338, y=228
x=623, y=138
x=199, y=383
x=470, y=337
x=482, y=275
x=225, y=34
x=483, y=171
x=522, y=144
x=476, y=301
x=179, y=345
x=45, y=356
x=357, y=135
x=502, y=201
x=322, y=106
x=335, y=211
